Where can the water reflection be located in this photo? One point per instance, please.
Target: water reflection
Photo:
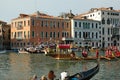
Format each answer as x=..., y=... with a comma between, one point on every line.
x=15, y=66
x=19, y=67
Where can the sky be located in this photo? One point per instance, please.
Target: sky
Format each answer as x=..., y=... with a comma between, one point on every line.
x=10, y=9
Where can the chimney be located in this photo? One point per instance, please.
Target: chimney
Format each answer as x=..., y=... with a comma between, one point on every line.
x=110, y=8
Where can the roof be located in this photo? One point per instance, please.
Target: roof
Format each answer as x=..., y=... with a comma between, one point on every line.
x=2, y=21
x=37, y=14
x=80, y=16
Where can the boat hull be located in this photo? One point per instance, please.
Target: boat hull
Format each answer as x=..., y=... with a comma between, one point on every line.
x=86, y=75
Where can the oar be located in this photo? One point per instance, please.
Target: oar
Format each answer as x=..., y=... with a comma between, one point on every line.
x=106, y=57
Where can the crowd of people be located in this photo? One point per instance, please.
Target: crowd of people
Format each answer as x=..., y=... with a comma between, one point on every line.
x=51, y=76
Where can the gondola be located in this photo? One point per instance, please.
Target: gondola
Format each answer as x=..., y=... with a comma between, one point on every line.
x=85, y=75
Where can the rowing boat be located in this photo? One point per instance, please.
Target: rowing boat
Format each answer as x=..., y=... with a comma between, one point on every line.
x=85, y=75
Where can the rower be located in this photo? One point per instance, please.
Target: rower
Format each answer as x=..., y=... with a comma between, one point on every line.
x=84, y=53
x=72, y=54
x=97, y=54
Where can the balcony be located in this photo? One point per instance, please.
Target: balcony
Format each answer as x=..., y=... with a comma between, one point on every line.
x=19, y=27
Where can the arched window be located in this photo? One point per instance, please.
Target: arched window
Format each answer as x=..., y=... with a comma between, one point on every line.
x=108, y=21
x=103, y=21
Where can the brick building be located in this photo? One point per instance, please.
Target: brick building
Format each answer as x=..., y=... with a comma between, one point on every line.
x=31, y=29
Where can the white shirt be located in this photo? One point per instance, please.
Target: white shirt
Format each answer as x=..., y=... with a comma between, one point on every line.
x=63, y=75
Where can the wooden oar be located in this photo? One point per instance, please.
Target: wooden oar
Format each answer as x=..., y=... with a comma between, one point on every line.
x=106, y=57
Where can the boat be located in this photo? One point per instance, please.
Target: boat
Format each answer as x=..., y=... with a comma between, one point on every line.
x=22, y=50
x=30, y=50
x=85, y=75
x=2, y=51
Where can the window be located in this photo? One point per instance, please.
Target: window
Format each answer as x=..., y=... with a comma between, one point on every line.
x=24, y=23
x=51, y=24
x=24, y=34
x=58, y=24
x=42, y=34
x=75, y=24
x=54, y=24
x=33, y=34
x=83, y=25
x=63, y=34
x=108, y=21
x=54, y=34
x=28, y=34
x=79, y=24
x=103, y=21
x=62, y=24
x=92, y=25
x=96, y=35
x=79, y=34
x=50, y=34
x=88, y=25
x=103, y=31
x=108, y=31
x=92, y=35
x=58, y=34
x=67, y=25
x=33, y=22
x=46, y=34
x=103, y=13
x=96, y=25
x=42, y=23
x=28, y=22
x=75, y=34
x=46, y=23
x=84, y=34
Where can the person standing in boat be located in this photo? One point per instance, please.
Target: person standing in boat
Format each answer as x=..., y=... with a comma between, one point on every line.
x=97, y=53
x=84, y=53
x=108, y=53
x=72, y=54
x=51, y=75
x=64, y=75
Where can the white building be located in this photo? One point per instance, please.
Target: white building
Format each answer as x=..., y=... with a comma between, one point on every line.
x=110, y=28
x=85, y=32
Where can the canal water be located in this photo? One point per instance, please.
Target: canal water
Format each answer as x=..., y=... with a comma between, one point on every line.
x=14, y=66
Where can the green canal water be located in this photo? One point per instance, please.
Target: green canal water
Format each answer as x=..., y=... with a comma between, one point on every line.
x=14, y=66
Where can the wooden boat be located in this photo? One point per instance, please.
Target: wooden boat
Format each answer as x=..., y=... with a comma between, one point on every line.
x=59, y=56
x=30, y=51
x=85, y=75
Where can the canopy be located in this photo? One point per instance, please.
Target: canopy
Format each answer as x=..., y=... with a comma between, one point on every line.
x=64, y=46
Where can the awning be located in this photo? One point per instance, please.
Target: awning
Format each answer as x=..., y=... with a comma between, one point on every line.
x=64, y=46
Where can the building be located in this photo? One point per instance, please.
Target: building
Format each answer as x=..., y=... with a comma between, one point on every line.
x=110, y=28
x=4, y=35
x=32, y=29
x=85, y=32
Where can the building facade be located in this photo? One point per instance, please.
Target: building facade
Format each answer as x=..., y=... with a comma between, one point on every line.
x=36, y=28
x=4, y=35
x=85, y=32
x=110, y=20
